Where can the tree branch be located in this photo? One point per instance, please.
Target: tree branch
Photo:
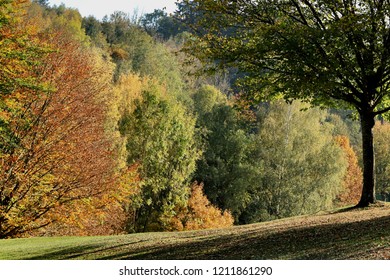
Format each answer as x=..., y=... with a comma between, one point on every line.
x=380, y=112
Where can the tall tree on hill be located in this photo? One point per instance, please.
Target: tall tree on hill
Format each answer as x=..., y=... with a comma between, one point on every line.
x=326, y=52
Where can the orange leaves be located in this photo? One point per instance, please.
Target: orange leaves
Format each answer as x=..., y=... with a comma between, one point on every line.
x=17, y=50
x=60, y=164
x=353, y=179
x=201, y=214
x=102, y=214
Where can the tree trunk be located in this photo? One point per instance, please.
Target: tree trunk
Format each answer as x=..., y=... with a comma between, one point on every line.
x=368, y=193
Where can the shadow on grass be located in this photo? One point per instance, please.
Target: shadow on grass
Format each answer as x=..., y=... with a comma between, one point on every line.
x=337, y=241
x=77, y=252
x=377, y=204
x=354, y=240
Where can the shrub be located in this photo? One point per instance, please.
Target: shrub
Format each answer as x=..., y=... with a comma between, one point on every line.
x=200, y=213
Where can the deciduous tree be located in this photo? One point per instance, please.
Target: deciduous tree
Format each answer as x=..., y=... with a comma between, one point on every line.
x=160, y=139
x=353, y=178
x=20, y=53
x=61, y=152
x=382, y=154
x=226, y=167
x=302, y=168
x=326, y=52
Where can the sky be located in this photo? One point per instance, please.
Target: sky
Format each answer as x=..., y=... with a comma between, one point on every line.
x=99, y=8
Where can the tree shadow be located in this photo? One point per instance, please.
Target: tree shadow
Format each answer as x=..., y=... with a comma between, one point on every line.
x=77, y=252
x=377, y=204
x=344, y=240
x=354, y=240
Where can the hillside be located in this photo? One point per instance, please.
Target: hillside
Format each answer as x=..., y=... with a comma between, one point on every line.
x=355, y=234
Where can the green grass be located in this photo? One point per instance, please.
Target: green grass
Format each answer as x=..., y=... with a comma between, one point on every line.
x=356, y=234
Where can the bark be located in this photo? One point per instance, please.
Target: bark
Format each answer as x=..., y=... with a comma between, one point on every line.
x=368, y=193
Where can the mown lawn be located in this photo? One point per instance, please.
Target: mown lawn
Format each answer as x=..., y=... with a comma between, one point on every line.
x=355, y=234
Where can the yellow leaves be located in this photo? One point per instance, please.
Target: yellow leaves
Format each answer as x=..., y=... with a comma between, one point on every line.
x=119, y=54
x=201, y=214
x=128, y=185
x=59, y=146
x=4, y=117
x=101, y=214
x=353, y=178
x=128, y=89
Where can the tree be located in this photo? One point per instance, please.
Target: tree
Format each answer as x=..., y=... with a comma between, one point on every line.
x=73, y=145
x=326, y=52
x=301, y=168
x=225, y=168
x=200, y=213
x=353, y=178
x=382, y=154
x=150, y=22
x=93, y=28
x=59, y=151
x=160, y=138
x=160, y=24
x=20, y=53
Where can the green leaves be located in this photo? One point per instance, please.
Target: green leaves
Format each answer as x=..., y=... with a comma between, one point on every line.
x=160, y=138
x=326, y=52
x=225, y=168
x=302, y=167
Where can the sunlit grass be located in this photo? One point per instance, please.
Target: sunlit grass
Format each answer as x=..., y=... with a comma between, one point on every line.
x=356, y=234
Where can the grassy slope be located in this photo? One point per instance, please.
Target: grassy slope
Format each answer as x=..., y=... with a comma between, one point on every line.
x=356, y=234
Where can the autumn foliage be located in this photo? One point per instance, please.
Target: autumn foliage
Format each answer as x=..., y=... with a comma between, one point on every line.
x=57, y=151
x=102, y=133
x=353, y=178
x=200, y=213
x=20, y=53
x=102, y=214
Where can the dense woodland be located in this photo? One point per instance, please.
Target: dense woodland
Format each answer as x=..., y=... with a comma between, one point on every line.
x=107, y=127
